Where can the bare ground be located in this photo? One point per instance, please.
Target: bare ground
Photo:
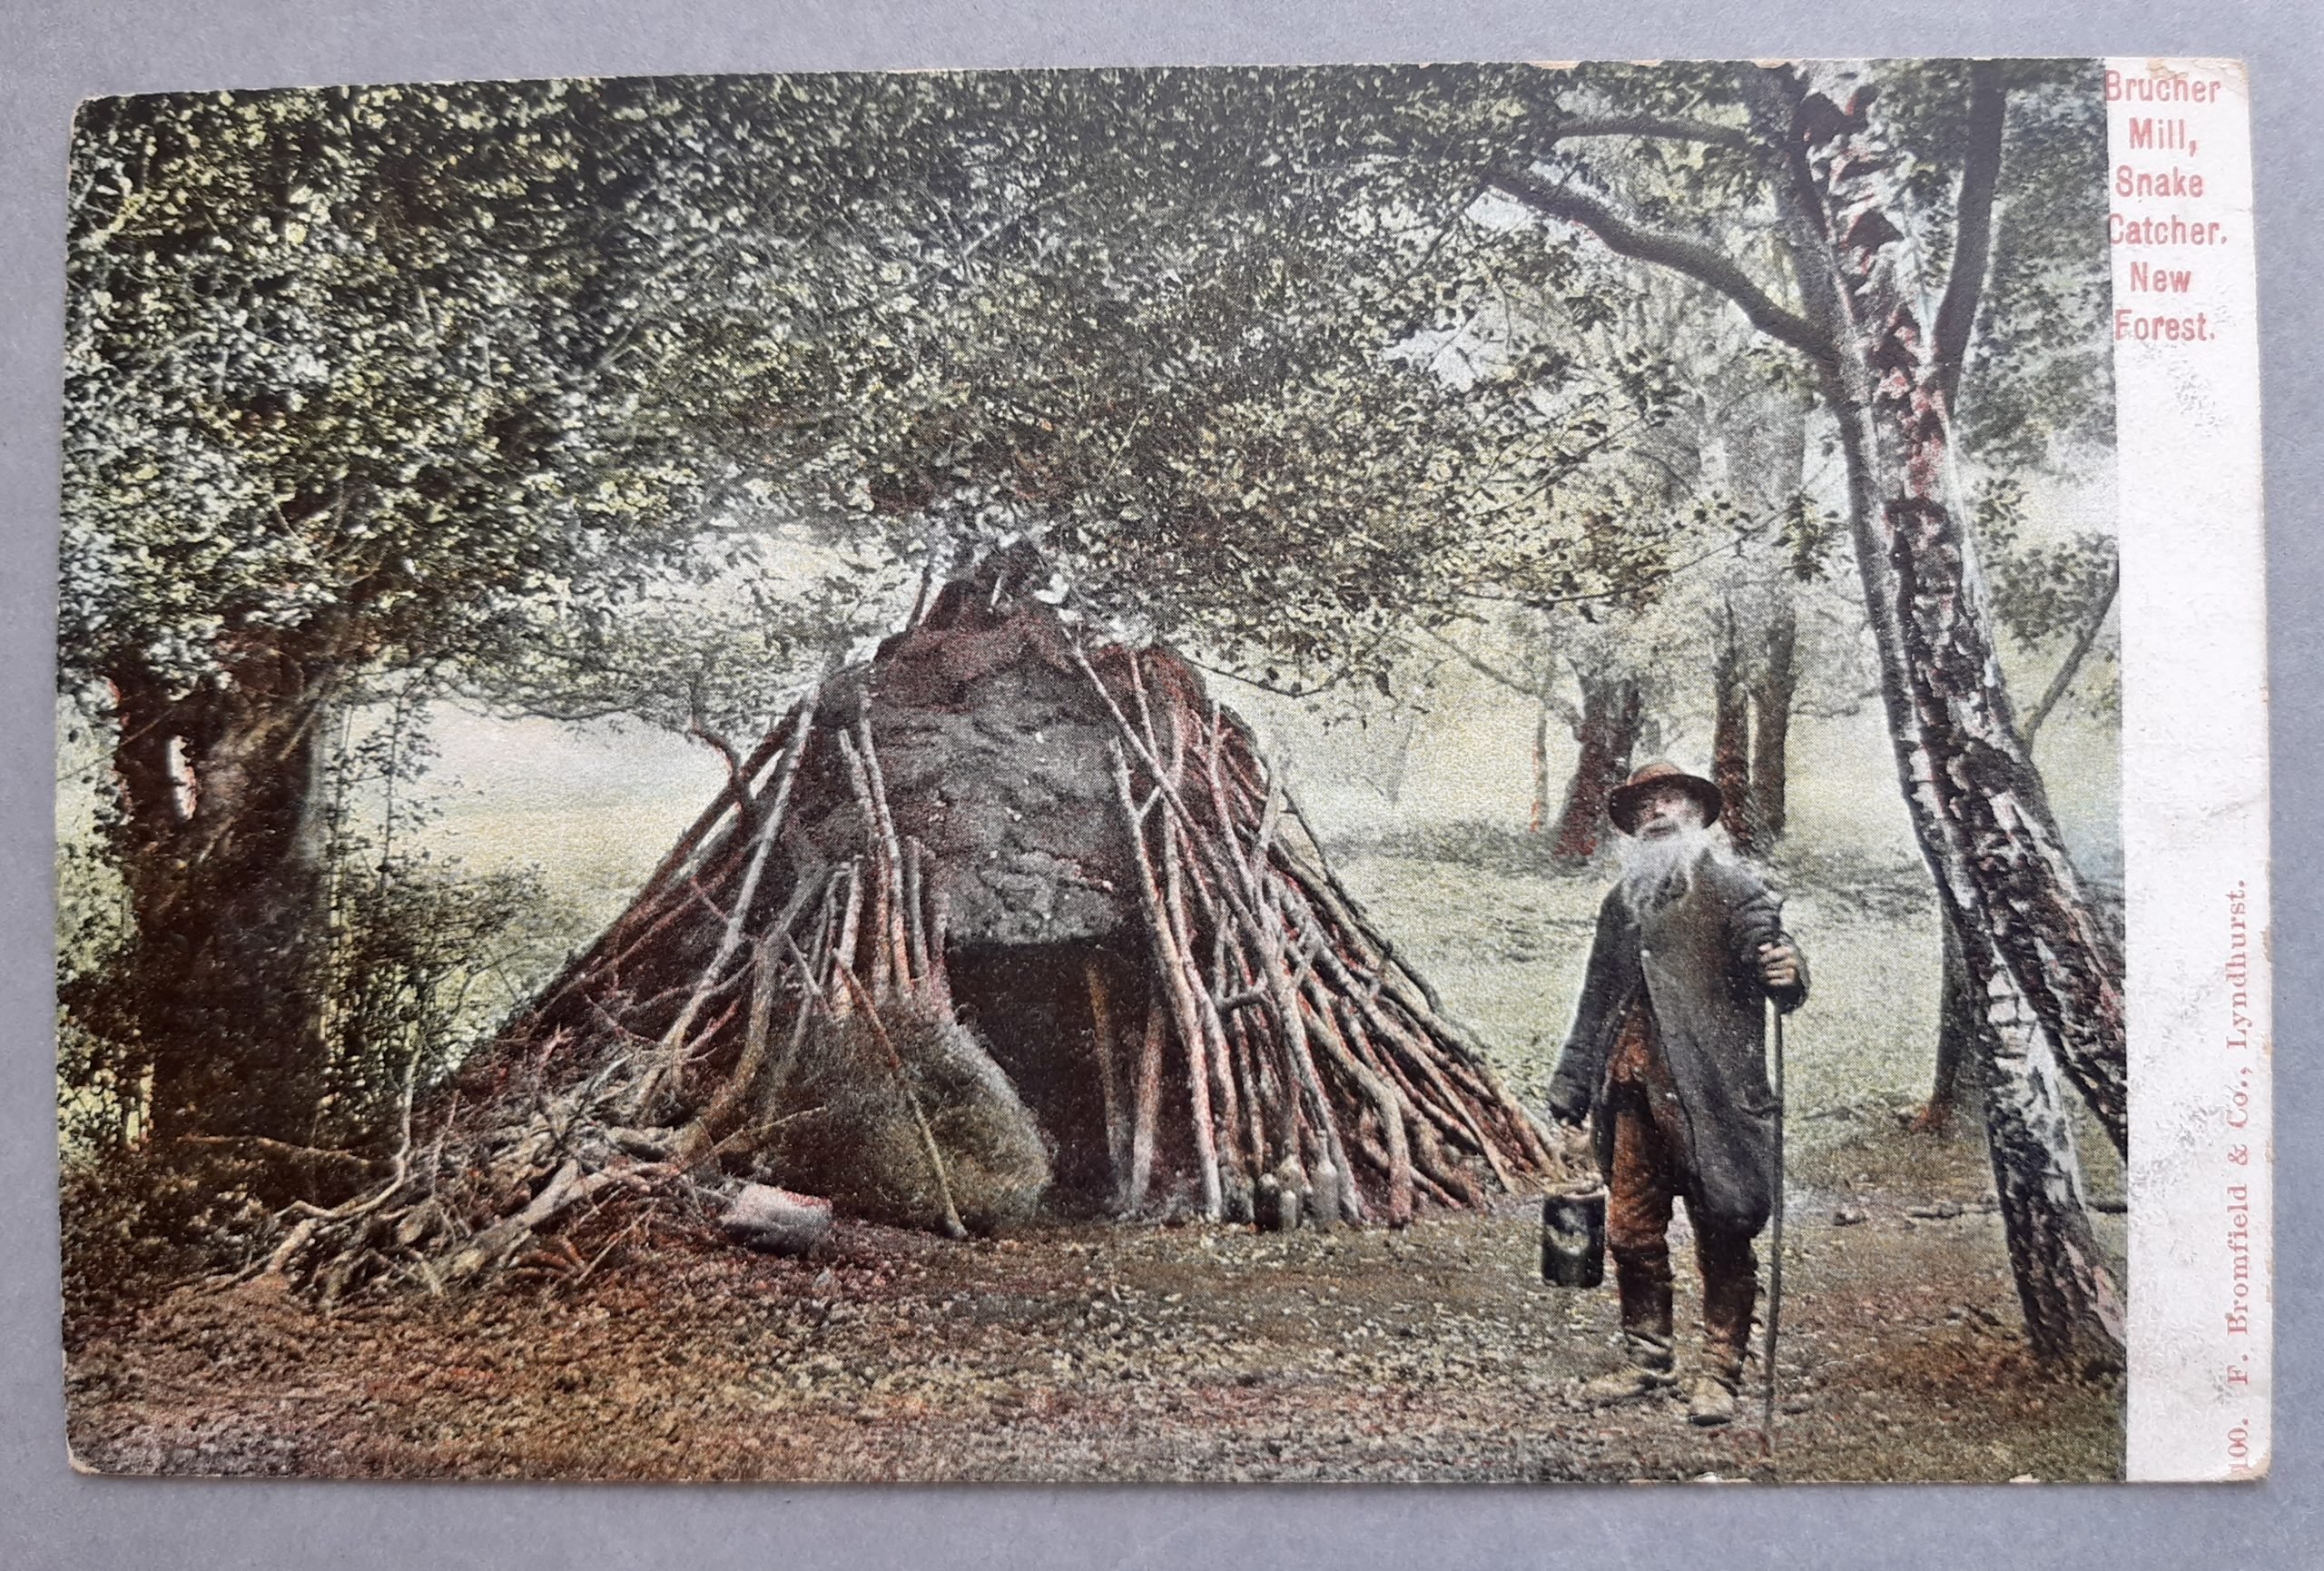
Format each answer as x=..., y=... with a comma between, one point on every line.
x=1106, y=1353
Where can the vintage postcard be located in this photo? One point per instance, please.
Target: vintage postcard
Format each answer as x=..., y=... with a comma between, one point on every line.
x=1531, y=772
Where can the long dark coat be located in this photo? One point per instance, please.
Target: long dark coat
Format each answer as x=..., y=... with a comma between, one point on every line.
x=1697, y=962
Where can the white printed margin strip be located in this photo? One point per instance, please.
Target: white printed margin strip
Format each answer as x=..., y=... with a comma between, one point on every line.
x=2194, y=767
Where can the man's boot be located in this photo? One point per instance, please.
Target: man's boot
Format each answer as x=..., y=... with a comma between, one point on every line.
x=1643, y=1279
x=1710, y=1401
x=1730, y=1289
x=1650, y=1369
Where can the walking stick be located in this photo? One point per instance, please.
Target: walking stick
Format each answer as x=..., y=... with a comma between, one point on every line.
x=1775, y=1245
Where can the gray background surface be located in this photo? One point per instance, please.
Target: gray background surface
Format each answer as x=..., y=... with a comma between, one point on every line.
x=54, y=53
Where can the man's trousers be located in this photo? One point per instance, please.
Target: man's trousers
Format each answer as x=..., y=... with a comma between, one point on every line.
x=1648, y=1173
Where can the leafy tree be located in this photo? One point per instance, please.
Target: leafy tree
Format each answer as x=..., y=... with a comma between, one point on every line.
x=2053, y=597
x=363, y=381
x=1196, y=353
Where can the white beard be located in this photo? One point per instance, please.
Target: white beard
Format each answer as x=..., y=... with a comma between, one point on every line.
x=1659, y=869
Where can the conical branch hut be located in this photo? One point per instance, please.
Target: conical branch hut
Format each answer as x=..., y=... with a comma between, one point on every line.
x=991, y=927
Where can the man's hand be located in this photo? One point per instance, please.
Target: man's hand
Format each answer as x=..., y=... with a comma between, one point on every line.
x=1779, y=966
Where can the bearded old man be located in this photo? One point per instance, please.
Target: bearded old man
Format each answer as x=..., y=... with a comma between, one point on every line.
x=1667, y=1060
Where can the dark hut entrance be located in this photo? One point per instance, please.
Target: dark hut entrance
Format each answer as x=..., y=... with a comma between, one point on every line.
x=996, y=926
x=1055, y=1017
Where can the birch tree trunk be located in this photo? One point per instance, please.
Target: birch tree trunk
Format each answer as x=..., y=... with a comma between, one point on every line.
x=2035, y=949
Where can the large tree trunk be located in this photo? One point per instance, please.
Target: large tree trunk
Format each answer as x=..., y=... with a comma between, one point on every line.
x=220, y=852
x=1771, y=698
x=1612, y=710
x=2037, y=951
x=1730, y=734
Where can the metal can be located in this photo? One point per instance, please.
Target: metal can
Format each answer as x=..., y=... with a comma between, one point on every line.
x=1573, y=1240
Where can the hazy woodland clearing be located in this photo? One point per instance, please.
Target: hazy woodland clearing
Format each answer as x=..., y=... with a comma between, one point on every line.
x=1505, y=943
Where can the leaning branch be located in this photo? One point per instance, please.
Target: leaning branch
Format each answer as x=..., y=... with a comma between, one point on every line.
x=736, y=781
x=1680, y=254
x=1972, y=232
x=1483, y=667
x=2074, y=657
x=1665, y=128
x=670, y=1066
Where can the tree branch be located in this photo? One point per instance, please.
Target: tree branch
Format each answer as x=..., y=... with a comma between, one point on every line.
x=1481, y=667
x=1973, y=232
x=1669, y=129
x=1691, y=257
x=735, y=781
x=1281, y=689
x=1734, y=543
x=2074, y=657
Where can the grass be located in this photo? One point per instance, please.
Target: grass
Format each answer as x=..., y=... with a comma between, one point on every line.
x=1507, y=950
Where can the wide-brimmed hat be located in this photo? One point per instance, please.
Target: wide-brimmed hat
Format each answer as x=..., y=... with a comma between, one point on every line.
x=1623, y=805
